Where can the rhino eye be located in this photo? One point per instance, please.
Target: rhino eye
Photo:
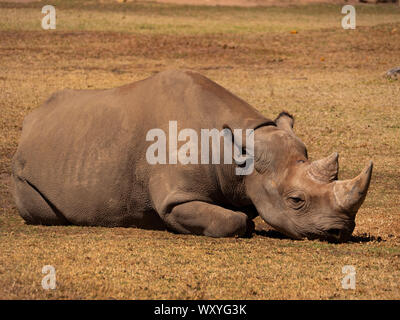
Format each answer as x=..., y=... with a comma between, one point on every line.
x=296, y=201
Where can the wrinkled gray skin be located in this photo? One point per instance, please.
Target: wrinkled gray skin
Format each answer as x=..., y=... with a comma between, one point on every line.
x=81, y=160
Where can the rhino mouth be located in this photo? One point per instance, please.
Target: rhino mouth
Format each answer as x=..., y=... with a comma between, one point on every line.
x=337, y=235
x=333, y=235
x=334, y=232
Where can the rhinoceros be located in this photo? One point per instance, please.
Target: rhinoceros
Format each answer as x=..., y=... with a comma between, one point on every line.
x=81, y=160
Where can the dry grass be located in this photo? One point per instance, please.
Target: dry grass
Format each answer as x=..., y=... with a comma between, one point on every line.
x=330, y=78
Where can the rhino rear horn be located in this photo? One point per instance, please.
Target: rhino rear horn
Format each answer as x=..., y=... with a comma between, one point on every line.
x=350, y=194
x=326, y=169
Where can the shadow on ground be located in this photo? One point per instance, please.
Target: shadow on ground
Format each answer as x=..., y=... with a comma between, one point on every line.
x=273, y=234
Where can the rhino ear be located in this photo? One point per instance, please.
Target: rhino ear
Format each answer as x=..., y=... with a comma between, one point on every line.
x=285, y=121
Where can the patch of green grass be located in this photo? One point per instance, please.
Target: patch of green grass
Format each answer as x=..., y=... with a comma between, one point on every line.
x=173, y=19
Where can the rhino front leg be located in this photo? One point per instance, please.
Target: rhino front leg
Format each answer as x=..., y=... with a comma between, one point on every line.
x=202, y=218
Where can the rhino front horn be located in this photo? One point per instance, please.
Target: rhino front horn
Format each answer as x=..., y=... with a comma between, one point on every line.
x=350, y=194
x=326, y=169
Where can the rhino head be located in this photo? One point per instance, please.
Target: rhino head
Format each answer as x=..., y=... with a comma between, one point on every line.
x=300, y=198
